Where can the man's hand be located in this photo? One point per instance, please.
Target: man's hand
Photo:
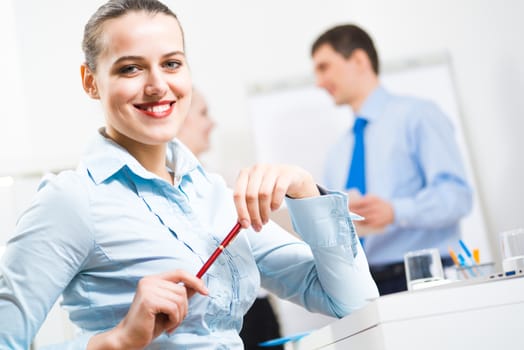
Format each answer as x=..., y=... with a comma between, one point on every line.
x=377, y=212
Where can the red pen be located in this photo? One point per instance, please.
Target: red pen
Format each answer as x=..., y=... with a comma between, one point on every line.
x=230, y=236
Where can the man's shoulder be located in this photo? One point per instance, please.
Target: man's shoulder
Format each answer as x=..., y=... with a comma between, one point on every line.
x=415, y=109
x=411, y=101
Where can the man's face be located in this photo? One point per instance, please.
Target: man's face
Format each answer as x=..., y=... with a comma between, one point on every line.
x=337, y=74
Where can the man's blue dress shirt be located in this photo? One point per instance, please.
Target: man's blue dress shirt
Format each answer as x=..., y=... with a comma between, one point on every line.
x=412, y=161
x=93, y=233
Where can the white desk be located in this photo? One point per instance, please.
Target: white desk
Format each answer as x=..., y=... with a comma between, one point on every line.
x=463, y=315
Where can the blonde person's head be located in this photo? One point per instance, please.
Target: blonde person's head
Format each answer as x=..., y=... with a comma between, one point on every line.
x=197, y=127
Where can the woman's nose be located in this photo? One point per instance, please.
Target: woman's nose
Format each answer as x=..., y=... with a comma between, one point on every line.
x=155, y=85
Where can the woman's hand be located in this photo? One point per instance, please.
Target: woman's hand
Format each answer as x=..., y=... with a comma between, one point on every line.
x=261, y=189
x=160, y=304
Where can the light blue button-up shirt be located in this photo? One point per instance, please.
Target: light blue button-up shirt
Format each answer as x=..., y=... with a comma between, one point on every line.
x=412, y=161
x=91, y=234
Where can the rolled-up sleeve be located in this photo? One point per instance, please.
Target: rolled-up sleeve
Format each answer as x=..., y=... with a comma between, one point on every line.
x=327, y=272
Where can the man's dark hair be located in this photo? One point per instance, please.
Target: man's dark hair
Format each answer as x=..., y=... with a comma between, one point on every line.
x=345, y=39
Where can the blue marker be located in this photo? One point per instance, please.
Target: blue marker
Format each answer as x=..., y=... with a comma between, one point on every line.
x=462, y=261
x=283, y=340
x=466, y=249
x=470, y=257
x=463, y=264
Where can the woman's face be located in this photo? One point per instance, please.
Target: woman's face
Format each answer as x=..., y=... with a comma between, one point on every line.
x=197, y=127
x=142, y=79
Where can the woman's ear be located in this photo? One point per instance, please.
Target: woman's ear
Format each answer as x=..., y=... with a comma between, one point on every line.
x=89, y=82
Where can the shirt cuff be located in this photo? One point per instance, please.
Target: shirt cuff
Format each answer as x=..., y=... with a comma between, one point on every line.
x=323, y=221
x=403, y=209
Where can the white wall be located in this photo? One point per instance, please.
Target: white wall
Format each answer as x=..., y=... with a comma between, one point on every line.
x=60, y=116
x=13, y=121
x=232, y=44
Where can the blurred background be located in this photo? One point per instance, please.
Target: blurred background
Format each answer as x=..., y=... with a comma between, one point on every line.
x=232, y=45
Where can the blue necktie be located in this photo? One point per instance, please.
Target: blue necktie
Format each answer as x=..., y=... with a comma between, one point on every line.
x=357, y=175
x=357, y=170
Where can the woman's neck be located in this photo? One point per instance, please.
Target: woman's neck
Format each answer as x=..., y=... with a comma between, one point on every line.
x=151, y=157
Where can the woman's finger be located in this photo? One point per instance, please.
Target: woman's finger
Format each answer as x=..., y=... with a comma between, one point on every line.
x=266, y=193
x=253, y=194
x=189, y=281
x=239, y=197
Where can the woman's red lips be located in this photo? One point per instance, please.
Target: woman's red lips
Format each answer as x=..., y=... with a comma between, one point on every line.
x=158, y=109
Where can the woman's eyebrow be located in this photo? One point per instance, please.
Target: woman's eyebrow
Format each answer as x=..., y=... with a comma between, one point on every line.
x=139, y=58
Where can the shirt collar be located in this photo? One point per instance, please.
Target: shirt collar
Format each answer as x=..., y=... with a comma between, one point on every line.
x=104, y=158
x=375, y=104
x=181, y=160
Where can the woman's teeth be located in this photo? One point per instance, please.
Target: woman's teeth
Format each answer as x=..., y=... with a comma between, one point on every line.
x=157, y=109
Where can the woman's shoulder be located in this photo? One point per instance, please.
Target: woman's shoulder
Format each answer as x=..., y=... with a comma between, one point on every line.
x=66, y=184
x=66, y=193
x=60, y=210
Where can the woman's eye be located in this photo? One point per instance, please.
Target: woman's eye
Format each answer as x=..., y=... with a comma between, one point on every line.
x=128, y=69
x=173, y=65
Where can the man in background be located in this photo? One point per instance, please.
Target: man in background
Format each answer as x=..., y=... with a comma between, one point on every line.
x=400, y=162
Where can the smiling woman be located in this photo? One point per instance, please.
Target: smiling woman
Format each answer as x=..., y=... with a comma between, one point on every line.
x=122, y=237
x=144, y=85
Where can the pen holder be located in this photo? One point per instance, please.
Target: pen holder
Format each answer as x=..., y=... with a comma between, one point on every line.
x=483, y=270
